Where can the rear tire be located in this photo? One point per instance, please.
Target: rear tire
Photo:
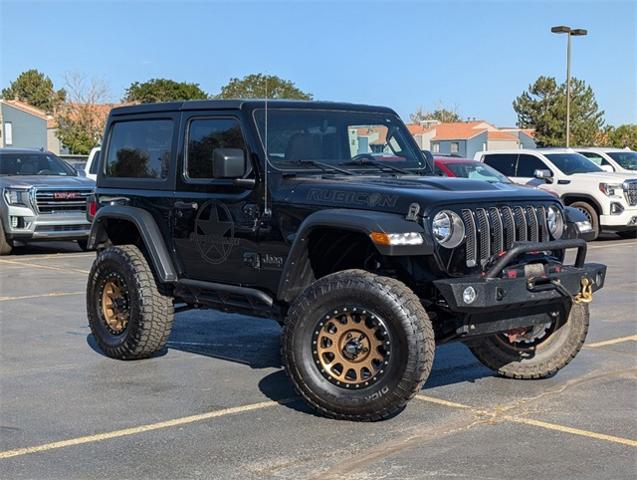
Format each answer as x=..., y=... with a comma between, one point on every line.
x=357, y=301
x=5, y=245
x=137, y=320
x=588, y=210
x=539, y=361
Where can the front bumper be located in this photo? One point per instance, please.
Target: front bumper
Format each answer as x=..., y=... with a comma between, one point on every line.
x=22, y=223
x=498, y=294
x=503, y=303
x=624, y=221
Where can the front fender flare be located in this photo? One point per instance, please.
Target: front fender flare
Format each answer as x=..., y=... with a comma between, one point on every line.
x=297, y=273
x=158, y=254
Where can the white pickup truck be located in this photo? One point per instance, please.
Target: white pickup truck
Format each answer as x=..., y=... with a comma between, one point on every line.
x=618, y=160
x=609, y=200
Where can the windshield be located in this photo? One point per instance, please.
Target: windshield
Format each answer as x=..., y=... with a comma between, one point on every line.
x=571, y=163
x=34, y=164
x=477, y=171
x=627, y=159
x=296, y=138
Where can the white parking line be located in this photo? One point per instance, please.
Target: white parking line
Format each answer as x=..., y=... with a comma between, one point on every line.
x=52, y=294
x=140, y=429
x=612, y=341
x=593, y=247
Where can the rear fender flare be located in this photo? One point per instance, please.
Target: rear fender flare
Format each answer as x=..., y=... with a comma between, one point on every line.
x=151, y=236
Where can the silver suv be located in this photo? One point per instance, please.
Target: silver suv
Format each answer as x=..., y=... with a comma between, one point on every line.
x=42, y=198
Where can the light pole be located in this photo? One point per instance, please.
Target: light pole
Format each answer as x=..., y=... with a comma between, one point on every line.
x=570, y=32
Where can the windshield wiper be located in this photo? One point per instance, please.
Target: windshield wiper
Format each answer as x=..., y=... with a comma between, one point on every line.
x=323, y=166
x=377, y=163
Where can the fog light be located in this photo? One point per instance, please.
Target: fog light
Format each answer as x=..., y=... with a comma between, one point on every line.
x=14, y=222
x=616, y=208
x=469, y=295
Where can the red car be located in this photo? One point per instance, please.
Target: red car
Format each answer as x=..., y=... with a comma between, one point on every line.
x=465, y=168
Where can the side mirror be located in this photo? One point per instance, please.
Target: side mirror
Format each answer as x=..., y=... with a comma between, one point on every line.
x=543, y=174
x=228, y=163
x=607, y=168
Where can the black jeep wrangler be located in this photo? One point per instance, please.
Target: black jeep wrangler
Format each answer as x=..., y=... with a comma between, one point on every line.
x=327, y=217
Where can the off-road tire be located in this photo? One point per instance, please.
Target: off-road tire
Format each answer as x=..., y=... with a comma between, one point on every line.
x=591, y=213
x=541, y=361
x=151, y=313
x=5, y=246
x=628, y=234
x=407, y=321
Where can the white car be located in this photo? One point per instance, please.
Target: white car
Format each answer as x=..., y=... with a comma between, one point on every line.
x=91, y=164
x=609, y=200
x=611, y=159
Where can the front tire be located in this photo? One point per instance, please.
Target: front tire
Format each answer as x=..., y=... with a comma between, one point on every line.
x=358, y=346
x=5, y=246
x=536, y=358
x=128, y=316
x=590, y=212
x=83, y=244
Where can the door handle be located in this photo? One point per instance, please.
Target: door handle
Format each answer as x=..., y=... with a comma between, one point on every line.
x=189, y=205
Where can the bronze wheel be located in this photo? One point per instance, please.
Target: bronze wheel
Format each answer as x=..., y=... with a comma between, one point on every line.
x=115, y=304
x=351, y=347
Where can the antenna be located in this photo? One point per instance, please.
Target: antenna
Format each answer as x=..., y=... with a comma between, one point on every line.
x=266, y=208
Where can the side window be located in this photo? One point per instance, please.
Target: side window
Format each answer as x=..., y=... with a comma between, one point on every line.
x=439, y=172
x=205, y=135
x=502, y=162
x=140, y=149
x=528, y=164
x=595, y=158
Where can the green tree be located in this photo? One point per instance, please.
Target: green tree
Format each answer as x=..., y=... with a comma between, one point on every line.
x=253, y=86
x=442, y=114
x=163, y=90
x=543, y=107
x=36, y=89
x=622, y=136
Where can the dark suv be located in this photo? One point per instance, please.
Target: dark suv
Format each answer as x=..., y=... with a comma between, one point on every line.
x=341, y=233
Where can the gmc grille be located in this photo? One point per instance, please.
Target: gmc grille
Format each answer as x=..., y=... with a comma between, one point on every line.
x=630, y=191
x=492, y=230
x=52, y=201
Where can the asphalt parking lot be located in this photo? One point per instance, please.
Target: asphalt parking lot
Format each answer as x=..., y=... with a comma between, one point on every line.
x=218, y=405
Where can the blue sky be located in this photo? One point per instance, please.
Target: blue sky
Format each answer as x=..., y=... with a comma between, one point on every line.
x=475, y=56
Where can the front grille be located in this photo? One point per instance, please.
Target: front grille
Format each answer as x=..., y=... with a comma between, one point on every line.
x=490, y=231
x=630, y=191
x=52, y=201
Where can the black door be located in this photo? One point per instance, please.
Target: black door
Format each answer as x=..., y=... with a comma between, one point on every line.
x=214, y=220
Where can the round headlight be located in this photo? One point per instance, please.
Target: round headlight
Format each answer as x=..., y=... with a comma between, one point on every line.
x=555, y=222
x=448, y=229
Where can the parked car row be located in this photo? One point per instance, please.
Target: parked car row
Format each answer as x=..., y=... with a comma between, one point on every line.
x=608, y=199
x=43, y=198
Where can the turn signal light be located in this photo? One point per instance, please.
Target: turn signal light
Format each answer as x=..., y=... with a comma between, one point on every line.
x=387, y=239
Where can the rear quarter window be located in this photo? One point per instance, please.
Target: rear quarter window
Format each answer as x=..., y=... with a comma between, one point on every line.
x=140, y=149
x=502, y=162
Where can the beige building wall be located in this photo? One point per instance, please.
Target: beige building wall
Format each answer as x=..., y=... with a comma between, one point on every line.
x=52, y=141
x=502, y=144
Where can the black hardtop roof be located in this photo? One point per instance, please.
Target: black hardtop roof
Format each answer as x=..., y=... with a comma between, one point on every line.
x=239, y=104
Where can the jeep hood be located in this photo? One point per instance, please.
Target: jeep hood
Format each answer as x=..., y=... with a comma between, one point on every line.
x=47, y=181
x=395, y=194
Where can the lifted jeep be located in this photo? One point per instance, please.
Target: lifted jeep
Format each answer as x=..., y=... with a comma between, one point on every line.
x=327, y=217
